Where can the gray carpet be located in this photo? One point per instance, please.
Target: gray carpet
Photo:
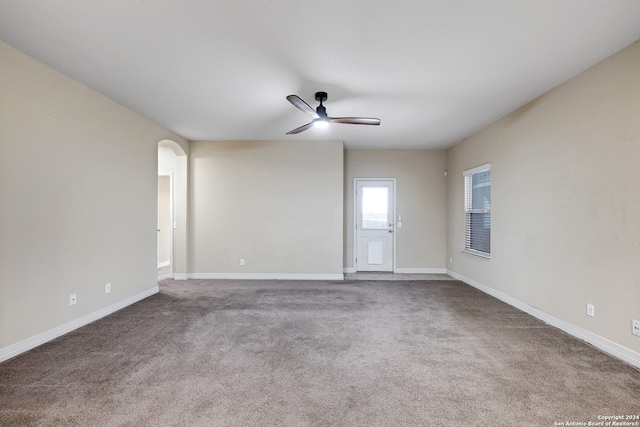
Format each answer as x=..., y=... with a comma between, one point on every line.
x=250, y=353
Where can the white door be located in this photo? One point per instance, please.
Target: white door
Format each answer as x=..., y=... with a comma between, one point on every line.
x=374, y=225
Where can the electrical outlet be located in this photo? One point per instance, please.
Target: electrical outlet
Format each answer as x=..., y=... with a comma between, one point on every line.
x=241, y=261
x=72, y=299
x=107, y=288
x=590, y=310
x=635, y=329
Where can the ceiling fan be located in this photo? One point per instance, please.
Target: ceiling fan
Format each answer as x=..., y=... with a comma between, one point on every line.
x=319, y=115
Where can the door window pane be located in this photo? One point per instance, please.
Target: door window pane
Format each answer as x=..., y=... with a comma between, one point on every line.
x=375, y=207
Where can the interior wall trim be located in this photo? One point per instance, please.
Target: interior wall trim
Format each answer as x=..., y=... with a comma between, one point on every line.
x=421, y=270
x=14, y=350
x=614, y=349
x=265, y=276
x=180, y=276
x=164, y=264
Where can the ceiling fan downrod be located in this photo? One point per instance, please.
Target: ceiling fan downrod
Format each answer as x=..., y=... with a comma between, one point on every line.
x=321, y=110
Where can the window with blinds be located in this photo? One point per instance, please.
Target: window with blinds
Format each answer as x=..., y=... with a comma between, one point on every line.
x=477, y=208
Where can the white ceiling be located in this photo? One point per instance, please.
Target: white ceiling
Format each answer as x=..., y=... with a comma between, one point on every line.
x=434, y=71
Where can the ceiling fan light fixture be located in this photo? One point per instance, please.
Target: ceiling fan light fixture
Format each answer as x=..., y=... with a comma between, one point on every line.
x=321, y=123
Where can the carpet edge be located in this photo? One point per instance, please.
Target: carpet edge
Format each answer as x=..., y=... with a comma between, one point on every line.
x=265, y=276
x=23, y=346
x=612, y=348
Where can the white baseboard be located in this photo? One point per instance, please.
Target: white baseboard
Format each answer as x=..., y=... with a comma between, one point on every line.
x=180, y=276
x=265, y=276
x=164, y=264
x=13, y=350
x=421, y=270
x=348, y=270
x=614, y=349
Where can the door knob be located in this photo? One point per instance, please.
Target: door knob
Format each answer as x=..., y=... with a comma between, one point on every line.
x=390, y=231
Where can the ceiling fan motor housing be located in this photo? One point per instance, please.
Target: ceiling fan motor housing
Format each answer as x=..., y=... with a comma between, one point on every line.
x=321, y=96
x=322, y=112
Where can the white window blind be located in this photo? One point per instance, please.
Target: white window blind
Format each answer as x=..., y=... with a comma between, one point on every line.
x=477, y=207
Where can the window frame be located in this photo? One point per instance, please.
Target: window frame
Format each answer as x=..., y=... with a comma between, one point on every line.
x=468, y=210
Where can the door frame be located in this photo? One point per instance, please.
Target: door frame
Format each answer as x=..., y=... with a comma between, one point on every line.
x=355, y=220
x=171, y=221
x=179, y=170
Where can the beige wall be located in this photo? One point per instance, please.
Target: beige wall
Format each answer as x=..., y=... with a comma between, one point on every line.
x=566, y=201
x=276, y=204
x=420, y=198
x=78, y=188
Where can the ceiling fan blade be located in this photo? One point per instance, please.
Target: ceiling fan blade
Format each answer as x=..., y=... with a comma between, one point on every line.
x=303, y=106
x=300, y=129
x=355, y=120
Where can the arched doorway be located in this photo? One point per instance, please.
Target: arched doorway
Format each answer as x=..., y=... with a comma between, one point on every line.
x=172, y=210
